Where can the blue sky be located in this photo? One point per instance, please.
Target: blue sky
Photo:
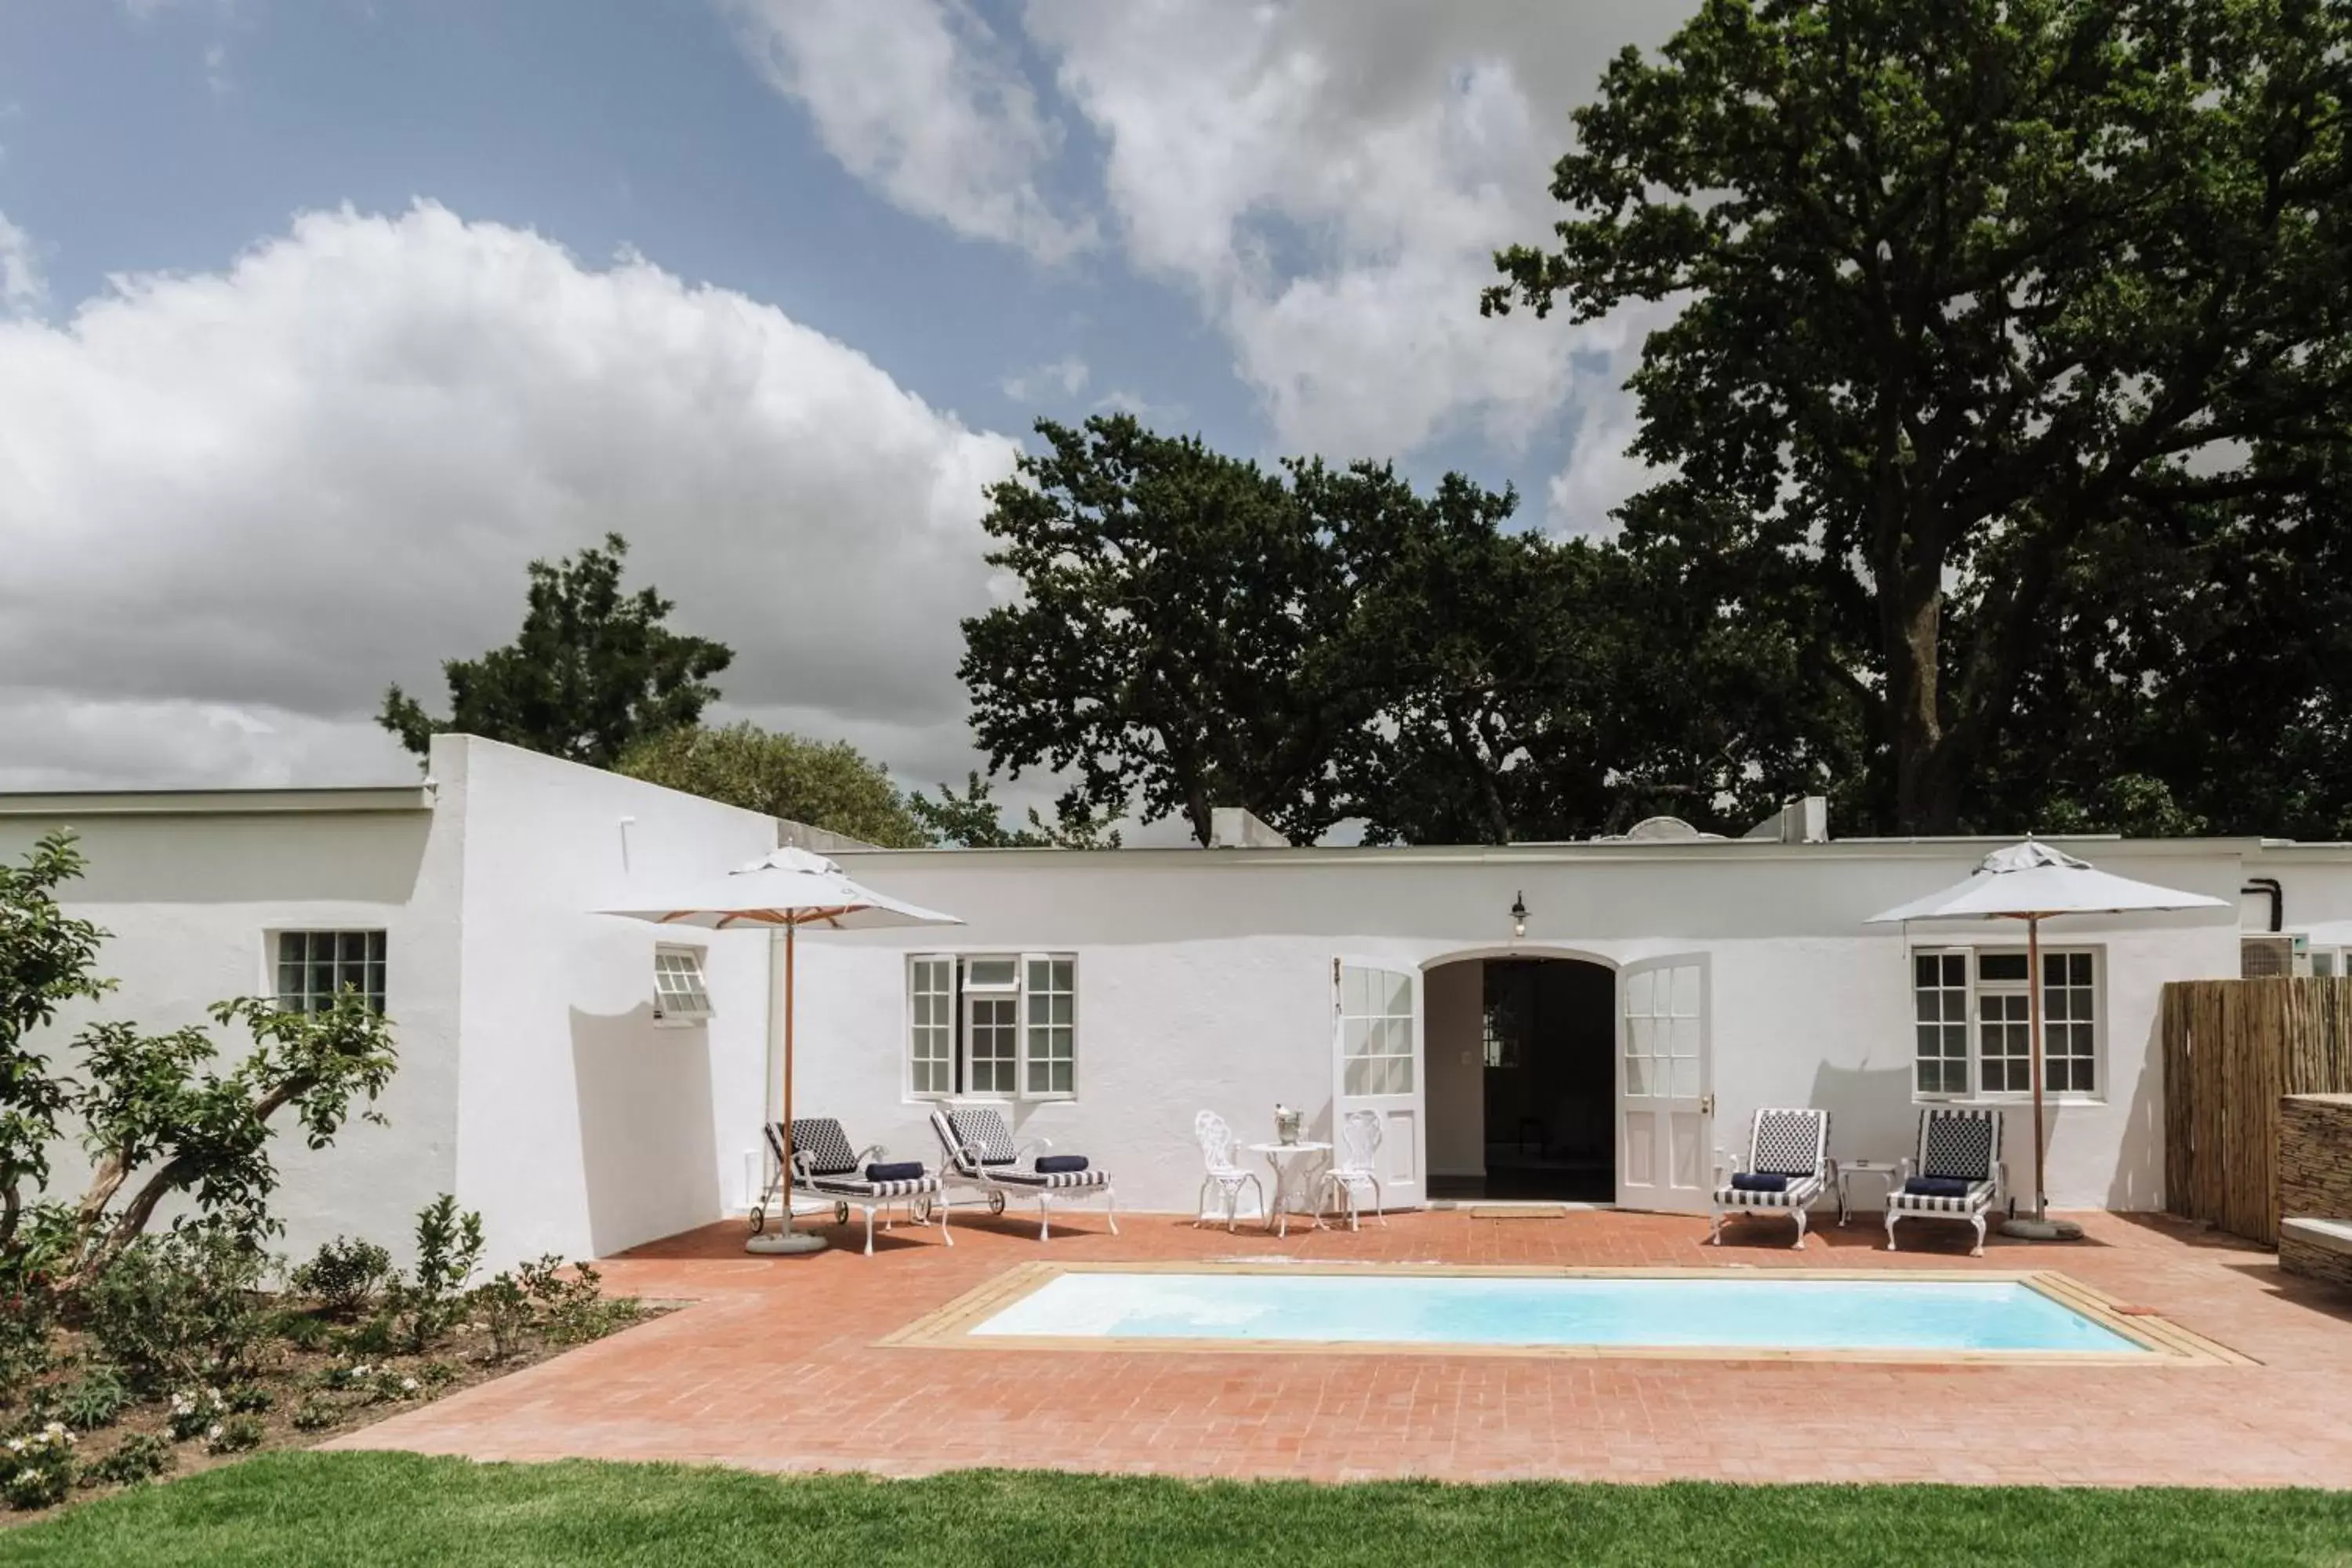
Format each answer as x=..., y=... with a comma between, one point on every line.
x=772, y=285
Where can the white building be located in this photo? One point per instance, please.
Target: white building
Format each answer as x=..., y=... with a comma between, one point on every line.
x=1608, y=1045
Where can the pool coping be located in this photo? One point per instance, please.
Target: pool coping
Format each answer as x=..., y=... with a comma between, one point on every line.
x=951, y=1327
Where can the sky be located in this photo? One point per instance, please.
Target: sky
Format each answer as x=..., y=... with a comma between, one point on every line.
x=319, y=319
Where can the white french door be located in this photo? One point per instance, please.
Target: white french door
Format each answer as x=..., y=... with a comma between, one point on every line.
x=1665, y=1074
x=1376, y=1066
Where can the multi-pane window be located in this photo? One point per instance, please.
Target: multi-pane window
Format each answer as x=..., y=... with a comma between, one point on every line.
x=997, y=1025
x=1050, y=1052
x=931, y=989
x=679, y=994
x=1973, y=1015
x=1940, y=991
x=314, y=966
x=1376, y=1031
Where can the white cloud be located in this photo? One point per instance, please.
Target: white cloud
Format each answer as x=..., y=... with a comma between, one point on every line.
x=918, y=99
x=1063, y=378
x=23, y=289
x=235, y=505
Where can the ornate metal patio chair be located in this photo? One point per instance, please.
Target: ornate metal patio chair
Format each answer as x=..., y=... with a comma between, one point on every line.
x=1956, y=1173
x=1218, y=1146
x=1787, y=1167
x=1355, y=1167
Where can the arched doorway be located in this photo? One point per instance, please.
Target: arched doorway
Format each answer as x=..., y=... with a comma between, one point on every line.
x=1522, y=1087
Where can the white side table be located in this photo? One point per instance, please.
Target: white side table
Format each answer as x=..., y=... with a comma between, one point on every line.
x=1286, y=1159
x=1884, y=1170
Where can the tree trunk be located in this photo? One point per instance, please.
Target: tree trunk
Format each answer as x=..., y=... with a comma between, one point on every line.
x=1911, y=601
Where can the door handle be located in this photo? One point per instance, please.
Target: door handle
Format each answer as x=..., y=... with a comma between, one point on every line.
x=1706, y=1105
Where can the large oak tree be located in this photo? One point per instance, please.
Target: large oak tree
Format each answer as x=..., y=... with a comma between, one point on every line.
x=1987, y=314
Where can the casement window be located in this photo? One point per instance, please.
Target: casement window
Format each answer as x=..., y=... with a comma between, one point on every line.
x=1000, y=1025
x=315, y=966
x=679, y=994
x=1973, y=1019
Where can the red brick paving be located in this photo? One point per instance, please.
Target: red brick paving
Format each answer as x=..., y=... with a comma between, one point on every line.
x=775, y=1368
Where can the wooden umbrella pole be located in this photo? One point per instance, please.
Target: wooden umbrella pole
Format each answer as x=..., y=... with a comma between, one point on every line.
x=2033, y=1012
x=790, y=929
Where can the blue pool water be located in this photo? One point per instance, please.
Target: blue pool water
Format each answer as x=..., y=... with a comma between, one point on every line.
x=1734, y=1312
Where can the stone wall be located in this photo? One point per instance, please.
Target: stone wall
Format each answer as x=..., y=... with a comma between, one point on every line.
x=2316, y=1177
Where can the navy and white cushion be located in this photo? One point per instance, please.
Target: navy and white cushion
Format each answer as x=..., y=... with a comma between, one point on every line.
x=1792, y=1143
x=1799, y=1192
x=979, y=1125
x=1978, y=1196
x=859, y=1187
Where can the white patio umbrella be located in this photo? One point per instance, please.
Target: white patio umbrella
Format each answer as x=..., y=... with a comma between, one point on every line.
x=2030, y=882
x=791, y=889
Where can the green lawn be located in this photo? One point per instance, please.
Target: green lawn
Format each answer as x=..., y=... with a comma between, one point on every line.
x=353, y=1508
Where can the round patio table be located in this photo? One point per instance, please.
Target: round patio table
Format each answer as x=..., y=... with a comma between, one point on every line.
x=1283, y=1157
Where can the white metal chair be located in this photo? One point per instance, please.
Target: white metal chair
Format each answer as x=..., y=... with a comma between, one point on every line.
x=1789, y=1147
x=1355, y=1165
x=1959, y=1152
x=1218, y=1146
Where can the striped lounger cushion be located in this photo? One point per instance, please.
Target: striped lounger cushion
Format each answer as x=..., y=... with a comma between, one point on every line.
x=1049, y=1180
x=1799, y=1192
x=1788, y=1144
x=1961, y=1145
x=852, y=1187
x=986, y=1128
x=1980, y=1193
x=833, y=1165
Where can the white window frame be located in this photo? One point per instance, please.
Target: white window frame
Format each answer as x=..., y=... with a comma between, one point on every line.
x=676, y=1008
x=2009, y=993
x=921, y=1050
x=271, y=964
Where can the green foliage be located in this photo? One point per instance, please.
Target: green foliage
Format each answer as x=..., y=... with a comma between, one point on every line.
x=178, y=1307
x=344, y=1276
x=2012, y=360
x=140, y=1457
x=48, y=959
x=247, y=1398
x=448, y=1251
x=572, y=1307
x=972, y=821
x=194, y=1413
x=827, y=785
x=91, y=1401
x=236, y=1435
x=303, y=1331
x=316, y=1414
x=500, y=1305
x=592, y=670
x=1162, y=650
x=37, y=1469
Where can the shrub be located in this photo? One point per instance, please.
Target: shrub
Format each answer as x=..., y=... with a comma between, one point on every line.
x=390, y=1386
x=178, y=1307
x=449, y=1249
x=380, y=1335
x=235, y=1435
x=301, y=1330
x=345, y=1277
x=27, y=1317
x=140, y=1457
x=248, y=1397
x=91, y=1401
x=37, y=1471
x=505, y=1310
x=195, y=1412
x=315, y=1413
x=355, y=1376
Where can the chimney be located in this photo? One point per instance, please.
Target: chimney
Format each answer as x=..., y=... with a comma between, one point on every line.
x=1233, y=827
x=1805, y=821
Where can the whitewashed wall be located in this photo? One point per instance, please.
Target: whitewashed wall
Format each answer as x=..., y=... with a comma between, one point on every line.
x=192, y=901
x=583, y=1126
x=1203, y=979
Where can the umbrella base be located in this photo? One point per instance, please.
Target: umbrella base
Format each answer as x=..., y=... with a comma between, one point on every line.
x=785, y=1244
x=2026, y=1228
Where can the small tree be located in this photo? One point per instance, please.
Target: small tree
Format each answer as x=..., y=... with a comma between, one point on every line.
x=156, y=1117
x=592, y=670
x=829, y=784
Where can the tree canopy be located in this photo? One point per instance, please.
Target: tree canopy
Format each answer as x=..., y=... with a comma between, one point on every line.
x=592, y=671
x=2010, y=347
x=824, y=784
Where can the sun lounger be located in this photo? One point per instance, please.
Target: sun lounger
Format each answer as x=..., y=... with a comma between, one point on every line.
x=824, y=1166
x=1787, y=1167
x=1959, y=1160
x=980, y=1154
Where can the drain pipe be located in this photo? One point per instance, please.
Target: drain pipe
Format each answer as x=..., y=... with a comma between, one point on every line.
x=2269, y=888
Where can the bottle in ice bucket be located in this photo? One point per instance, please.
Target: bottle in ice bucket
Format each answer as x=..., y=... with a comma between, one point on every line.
x=1286, y=1124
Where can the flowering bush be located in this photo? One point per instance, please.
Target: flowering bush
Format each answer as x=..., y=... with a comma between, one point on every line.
x=140, y=1457
x=38, y=1468
x=347, y=1376
x=315, y=1413
x=179, y=1307
x=345, y=1277
x=234, y=1436
x=195, y=1412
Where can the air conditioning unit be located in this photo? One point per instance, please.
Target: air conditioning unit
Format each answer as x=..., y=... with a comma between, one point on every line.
x=2273, y=957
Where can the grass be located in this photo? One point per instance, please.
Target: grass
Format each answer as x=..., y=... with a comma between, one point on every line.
x=398, y=1508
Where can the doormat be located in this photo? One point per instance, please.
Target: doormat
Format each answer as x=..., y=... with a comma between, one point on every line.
x=1520, y=1211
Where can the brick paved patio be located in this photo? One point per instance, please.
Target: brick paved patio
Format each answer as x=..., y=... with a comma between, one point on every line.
x=775, y=1367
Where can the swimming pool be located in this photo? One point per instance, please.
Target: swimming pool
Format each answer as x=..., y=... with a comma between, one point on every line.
x=1700, y=1313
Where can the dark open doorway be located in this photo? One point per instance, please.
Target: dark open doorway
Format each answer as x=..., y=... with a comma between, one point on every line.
x=1547, y=1083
